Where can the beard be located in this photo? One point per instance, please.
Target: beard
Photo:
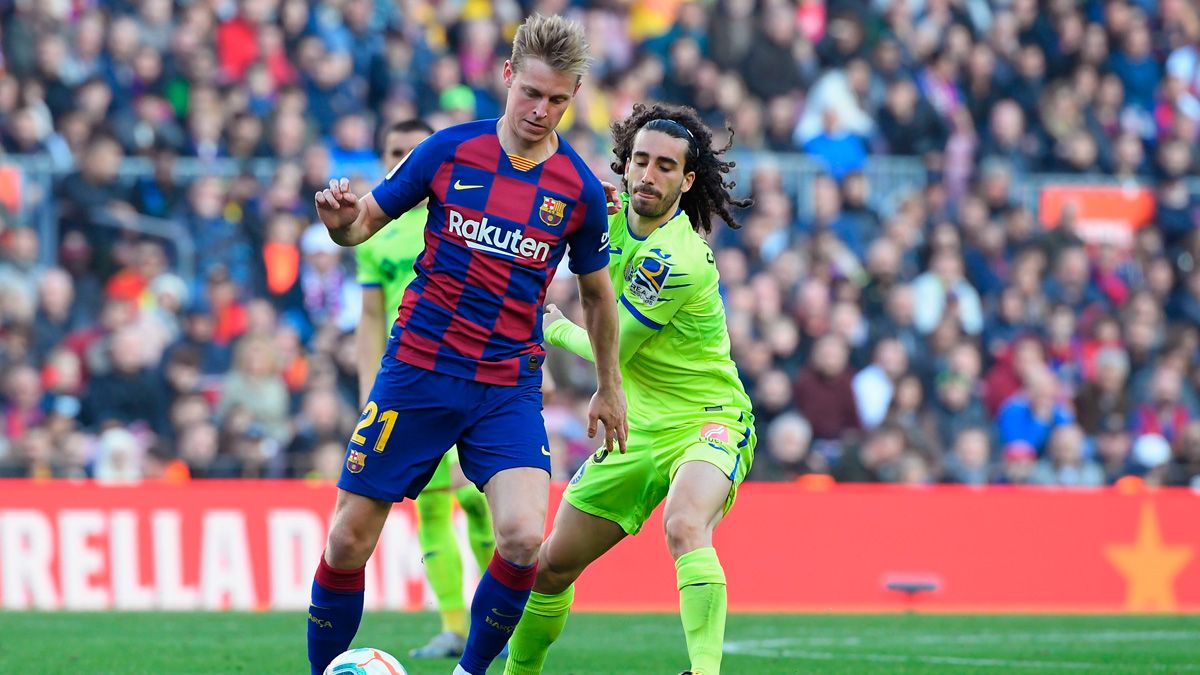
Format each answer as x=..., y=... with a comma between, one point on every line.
x=656, y=207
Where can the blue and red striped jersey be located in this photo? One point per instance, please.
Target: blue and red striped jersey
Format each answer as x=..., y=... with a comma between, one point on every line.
x=493, y=240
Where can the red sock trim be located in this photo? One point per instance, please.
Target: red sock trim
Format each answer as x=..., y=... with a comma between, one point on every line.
x=513, y=576
x=341, y=581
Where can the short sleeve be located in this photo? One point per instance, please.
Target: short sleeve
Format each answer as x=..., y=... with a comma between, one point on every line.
x=658, y=283
x=409, y=181
x=368, y=273
x=588, y=250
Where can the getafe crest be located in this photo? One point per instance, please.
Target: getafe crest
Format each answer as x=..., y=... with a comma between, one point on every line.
x=552, y=211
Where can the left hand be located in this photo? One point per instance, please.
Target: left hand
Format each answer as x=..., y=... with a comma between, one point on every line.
x=613, y=195
x=553, y=313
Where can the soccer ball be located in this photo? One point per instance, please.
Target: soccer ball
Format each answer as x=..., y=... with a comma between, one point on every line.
x=365, y=661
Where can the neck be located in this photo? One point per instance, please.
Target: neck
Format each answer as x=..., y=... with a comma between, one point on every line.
x=642, y=226
x=513, y=144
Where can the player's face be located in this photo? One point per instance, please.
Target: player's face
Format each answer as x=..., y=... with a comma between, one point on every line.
x=398, y=144
x=654, y=174
x=538, y=96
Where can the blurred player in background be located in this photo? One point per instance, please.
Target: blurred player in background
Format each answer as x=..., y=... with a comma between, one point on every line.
x=385, y=268
x=691, y=432
x=507, y=199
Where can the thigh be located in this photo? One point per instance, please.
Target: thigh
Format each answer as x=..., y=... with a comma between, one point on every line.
x=411, y=420
x=726, y=444
x=506, y=432
x=517, y=498
x=701, y=491
x=622, y=488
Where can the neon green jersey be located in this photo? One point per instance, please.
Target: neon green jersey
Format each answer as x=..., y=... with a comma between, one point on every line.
x=386, y=259
x=668, y=283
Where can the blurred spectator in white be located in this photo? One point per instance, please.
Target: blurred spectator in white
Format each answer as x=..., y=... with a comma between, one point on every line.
x=1151, y=454
x=329, y=292
x=874, y=385
x=118, y=457
x=255, y=386
x=944, y=293
x=1065, y=463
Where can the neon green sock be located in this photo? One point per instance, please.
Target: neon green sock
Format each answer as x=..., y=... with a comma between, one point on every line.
x=443, y=562
x=479, y=524
x=702, y=606
x=540, y=626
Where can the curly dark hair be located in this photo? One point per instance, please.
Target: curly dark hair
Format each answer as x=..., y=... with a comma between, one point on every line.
x=710, y=192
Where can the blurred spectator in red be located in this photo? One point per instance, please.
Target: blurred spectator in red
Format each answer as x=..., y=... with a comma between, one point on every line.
x=824, y=393
x=1163, y=414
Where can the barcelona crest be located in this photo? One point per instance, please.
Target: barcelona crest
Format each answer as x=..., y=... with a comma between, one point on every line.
x=356, y=461
x=552, y=211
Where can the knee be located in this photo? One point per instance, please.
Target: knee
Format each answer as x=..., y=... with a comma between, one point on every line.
x=348, y=547
x=519, y=540
x=685, y=532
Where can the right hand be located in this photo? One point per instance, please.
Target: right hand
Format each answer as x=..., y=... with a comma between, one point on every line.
x=337, y=206
x=553, y=313
x=613, y=195
x=608, y=406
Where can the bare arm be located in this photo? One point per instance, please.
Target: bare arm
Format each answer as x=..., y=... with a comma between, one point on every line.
x=600, y=319
x=351, y=220
x=370, y=341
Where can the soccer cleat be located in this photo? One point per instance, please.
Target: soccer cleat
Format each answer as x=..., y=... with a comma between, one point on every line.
x=446, y=645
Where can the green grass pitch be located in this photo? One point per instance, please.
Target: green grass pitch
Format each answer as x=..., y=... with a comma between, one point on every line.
x=185, y=643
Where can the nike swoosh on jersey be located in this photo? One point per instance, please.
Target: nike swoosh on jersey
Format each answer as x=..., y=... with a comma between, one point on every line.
x=459, y=185
x=545, y=451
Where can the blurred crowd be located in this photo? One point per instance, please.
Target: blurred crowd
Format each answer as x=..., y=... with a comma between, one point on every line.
x=942, y=336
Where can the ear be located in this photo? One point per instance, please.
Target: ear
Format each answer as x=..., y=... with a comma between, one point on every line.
x=507, y=73
x=688, y=179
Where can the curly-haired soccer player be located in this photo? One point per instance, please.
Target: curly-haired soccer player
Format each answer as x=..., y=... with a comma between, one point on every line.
x=691, y=434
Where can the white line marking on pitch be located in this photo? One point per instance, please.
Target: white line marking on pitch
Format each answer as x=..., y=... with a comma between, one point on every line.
x=785, y=647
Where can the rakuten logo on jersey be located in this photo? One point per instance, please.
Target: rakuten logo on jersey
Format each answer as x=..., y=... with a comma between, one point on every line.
x=482, y=236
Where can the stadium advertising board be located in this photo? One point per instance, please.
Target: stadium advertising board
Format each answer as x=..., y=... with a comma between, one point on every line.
x=248, y=545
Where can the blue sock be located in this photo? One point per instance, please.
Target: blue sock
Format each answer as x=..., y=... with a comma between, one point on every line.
x=333, y=613
x=499, y=602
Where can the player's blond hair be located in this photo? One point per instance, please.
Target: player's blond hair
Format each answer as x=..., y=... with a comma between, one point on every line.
x=559, y=43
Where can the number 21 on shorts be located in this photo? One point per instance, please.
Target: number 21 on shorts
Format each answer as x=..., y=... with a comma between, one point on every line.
x=387, y=418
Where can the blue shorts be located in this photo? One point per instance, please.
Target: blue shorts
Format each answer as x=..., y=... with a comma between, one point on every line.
x=415, y=415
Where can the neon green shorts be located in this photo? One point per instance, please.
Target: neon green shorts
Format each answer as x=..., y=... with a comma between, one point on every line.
x=627, y=488
x=441, y=479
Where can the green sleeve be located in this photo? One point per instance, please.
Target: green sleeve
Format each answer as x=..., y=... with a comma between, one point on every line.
x=566, y=334
x=368, y=269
